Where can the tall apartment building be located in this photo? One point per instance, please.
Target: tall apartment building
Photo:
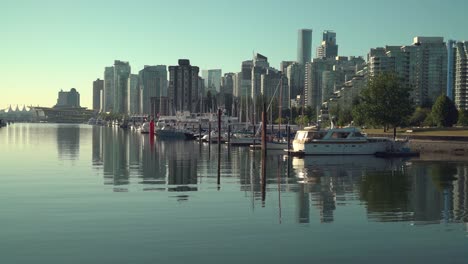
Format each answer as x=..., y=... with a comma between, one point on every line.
x=461, y=75
x=133, y=95
x=183, y=87
x=431, y=68
x=313, y=81
x=295, y=76
x=304, y=46
x=422, y=66
x=274, y=84
x=108, y=94
x=121, y=74
x=227, y=81
x=328, y=48
x=98, y=87
x=152, y=82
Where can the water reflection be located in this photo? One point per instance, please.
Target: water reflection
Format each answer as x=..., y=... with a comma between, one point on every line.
x=68, y=141
x=129, y=157
x=390, y=190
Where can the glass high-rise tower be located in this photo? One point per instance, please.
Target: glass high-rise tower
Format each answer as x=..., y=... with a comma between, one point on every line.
x=304, y=46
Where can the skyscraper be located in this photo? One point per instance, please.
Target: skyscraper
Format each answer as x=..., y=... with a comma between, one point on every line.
x=260, y=66
x=133, y=94
x=212, y=80
x=246, y=78
x=108, y=94
x=431, y=68
x=98, y=87
x=328, y=48
x=121, y=74
x=304, y=46
x=183, y=87
x=152, y=82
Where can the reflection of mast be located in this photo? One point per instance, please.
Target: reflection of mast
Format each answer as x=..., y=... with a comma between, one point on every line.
x=303, y=202
x=279, y=189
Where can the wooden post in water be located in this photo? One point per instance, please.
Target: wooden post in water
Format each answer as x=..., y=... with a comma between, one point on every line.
x=264, y=128
x=288, y=130
x=229, y=134
x=209, y=133
x=199, y=134
x=219, y=129
x=219, y=147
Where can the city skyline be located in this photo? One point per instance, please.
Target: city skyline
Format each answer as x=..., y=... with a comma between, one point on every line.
x=58, y=44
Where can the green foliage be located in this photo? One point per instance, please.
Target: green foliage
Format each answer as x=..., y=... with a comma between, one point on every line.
x=309, y=112
x=359, y=115
x=463, y=117
x=385, y=102
x=302, y=120
x=419, y=116
x=444, y=113
x=429, y=121
x=282, y=119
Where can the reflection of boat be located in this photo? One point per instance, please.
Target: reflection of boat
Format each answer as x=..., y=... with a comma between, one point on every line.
x=338, y=141
x=175, y=133
x=316, y=166
x=213, y=137
x=145, y=128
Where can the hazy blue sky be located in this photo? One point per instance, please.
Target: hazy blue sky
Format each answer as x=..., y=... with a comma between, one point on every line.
x=50, y=45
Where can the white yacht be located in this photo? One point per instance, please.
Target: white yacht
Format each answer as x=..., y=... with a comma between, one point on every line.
x=339, y=141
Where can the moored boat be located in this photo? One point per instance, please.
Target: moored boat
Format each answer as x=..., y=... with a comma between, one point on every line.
x=339, y=141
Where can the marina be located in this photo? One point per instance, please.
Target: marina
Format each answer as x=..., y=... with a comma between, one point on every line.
x=124, y=193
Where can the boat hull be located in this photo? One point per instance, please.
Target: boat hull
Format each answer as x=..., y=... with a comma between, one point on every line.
x=342, y=148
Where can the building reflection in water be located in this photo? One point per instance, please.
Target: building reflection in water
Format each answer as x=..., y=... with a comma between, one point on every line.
x=68, y=142
x=390, y=189
x=129, y=158
x=393, y=190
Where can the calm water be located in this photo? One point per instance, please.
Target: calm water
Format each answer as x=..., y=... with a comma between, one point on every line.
x=83, y=194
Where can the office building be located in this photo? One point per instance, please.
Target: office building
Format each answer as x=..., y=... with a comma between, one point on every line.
x=260, y=66
x=212, y=80
x=98, y=87
x=121, y=74
x=246, y=78
x=328, y=48
x=152, y=82
x=69, y=99
x=304, y=46
x=108, y=94
x=133, y=95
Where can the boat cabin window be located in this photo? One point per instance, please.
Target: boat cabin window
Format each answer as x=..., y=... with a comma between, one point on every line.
x=340, y=135
x=316, y=135
x=301, y=135
x=358, y=134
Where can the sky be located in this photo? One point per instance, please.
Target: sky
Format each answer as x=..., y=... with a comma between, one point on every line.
x=50, y=45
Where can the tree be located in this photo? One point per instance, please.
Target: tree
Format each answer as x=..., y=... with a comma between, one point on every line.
x=302, y=120
x=463, y=117
x=385, y=101
x=419, y=115
x=444, y=113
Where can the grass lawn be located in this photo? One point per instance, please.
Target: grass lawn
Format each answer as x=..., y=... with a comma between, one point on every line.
x=429, y=132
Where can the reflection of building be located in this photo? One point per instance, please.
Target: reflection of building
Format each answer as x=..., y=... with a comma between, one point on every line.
x=68, y=142
x=124, y=156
